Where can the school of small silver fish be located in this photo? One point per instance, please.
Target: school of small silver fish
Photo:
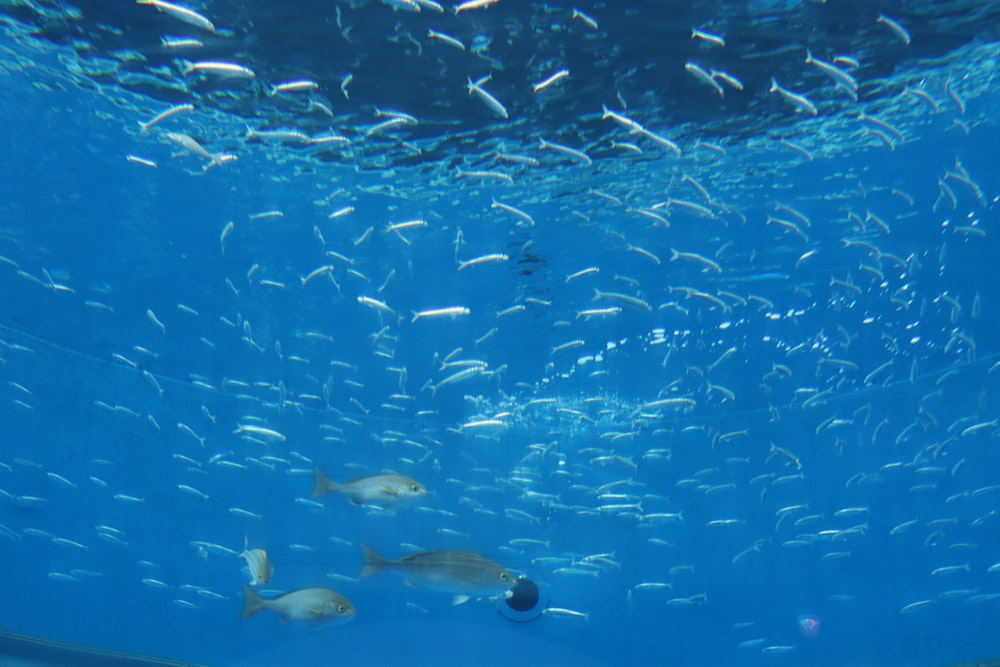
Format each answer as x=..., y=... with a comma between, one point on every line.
x=689, y=341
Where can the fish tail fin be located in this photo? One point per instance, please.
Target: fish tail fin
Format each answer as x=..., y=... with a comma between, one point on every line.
x=374, y=563
x=252, y=602
x=322, y=484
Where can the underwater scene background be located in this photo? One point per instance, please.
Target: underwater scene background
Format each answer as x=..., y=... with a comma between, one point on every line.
x=684, y=311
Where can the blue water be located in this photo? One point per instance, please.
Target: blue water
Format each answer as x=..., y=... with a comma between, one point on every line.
x=776, y=446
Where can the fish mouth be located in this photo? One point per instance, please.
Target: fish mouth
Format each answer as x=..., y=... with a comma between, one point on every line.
x=345, y=616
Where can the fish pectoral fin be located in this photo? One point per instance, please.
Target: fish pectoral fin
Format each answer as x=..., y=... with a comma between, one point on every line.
x=412, y=584
x=388, y=490
x=315, y=611
x=460, y=599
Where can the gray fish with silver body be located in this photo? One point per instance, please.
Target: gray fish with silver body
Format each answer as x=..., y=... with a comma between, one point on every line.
x=309, y=605
x=462, y=573
x=384, y=490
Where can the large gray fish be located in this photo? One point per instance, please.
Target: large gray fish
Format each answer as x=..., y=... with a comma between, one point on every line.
x=384, y=490
x=310, y=605
x=462, y=573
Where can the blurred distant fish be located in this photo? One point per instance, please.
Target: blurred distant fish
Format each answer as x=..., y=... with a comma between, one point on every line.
x=254, y=430
x=181, y=13
x=384, y=490
x=462, y=573
x=260, y=568
x=311, y=605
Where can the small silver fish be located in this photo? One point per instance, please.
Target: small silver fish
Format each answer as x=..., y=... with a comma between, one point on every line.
x=310, y=605
x=462, y=573
x=384, y=490
x=258, y=564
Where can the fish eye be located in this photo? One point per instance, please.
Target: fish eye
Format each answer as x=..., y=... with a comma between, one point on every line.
x=341, y=608
x=504, y=576
x=414, y=487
